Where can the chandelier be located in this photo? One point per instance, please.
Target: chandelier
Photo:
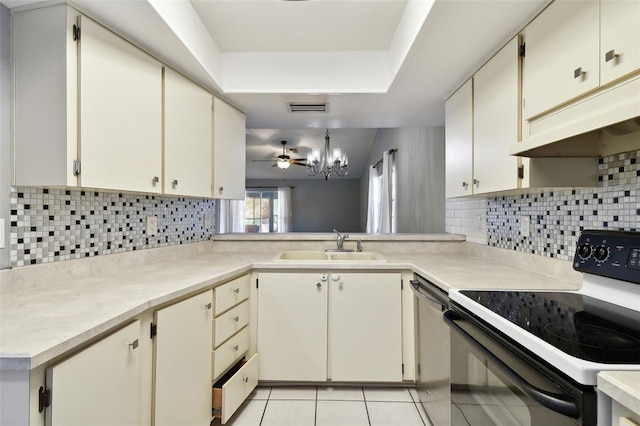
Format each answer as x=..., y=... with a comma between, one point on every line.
x=331, y=162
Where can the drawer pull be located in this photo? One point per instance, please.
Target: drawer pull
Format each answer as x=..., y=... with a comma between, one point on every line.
x=578, y=73
x=133, y=345
x=236, y=319
x=208, y=306
x=465, y=185
x=235, y=348
x=246, y=380
x=610, y=55
x=236, y=291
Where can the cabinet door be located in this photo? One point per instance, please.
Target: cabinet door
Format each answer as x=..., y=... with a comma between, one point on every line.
x=495, y=121
x=229, y=151
x=459, y=141
x=120, y=113
x=101, y=385
x=619, y=38
x=183, y=348
x=187, y=137
x=561, y=60
x=292, y=326
x=366, y=327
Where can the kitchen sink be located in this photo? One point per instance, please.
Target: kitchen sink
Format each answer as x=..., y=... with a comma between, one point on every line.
x=309, y=255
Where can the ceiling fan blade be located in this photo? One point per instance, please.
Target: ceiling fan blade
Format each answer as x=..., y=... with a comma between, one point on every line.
x=300, y=164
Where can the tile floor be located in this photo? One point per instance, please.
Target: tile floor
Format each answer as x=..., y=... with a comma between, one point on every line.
x=330, y=406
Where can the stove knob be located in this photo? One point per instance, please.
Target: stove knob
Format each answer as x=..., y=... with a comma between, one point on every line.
x=584, y=251
x=601, y=253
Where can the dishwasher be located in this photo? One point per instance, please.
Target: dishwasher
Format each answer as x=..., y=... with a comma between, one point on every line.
x=433, y=352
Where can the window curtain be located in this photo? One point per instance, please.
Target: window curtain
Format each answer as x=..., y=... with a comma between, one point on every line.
x=231, y=215
x=284, y=209
x=380, y=217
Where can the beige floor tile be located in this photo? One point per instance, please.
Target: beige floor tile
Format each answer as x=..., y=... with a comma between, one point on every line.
x=293, y=392
x=249, y=414
x=289, y=413
x=387, y=394
x=340, y=394
x=394, y=414
x=341, y=413
x=260, y=393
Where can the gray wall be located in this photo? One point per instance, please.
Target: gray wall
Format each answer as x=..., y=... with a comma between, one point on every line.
x=319, y=206
x=420, y=168
x=5, y=131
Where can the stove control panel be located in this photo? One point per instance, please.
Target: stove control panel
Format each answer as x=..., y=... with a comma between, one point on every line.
x=613, y=254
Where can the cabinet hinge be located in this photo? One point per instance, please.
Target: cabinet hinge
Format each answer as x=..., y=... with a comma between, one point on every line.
x=523, y=50
x=521, y=172
x=402, y=368
x=256, y=283
x=418, y=369
x=44, y=399
x=76, y=167
x=153, y=330
x=76, y=33
x=401, y=284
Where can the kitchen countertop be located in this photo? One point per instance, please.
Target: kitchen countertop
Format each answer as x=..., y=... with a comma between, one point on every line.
x=41, y=322
x=622, y=386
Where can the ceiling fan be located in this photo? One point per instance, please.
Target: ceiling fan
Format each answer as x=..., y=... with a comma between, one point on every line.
x=284, y=161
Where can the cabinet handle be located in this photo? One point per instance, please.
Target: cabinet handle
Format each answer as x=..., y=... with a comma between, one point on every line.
x=133, y=345
x=175, y=182
x=246, y=380
x=236, y=291
x=236, y=347
x=236, y=319
x=318, y=285
x=208, y=306
x=476, y=182
x=465, y=185
x=155, y=179
x=577, y=73
x=221, y=189
x=610, y=55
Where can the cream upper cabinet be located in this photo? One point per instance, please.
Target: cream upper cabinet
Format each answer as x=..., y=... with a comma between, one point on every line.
x=187, y=137
x=459, y=141
x=619, y=38
x=292, y=326
x=561, y=55
x=97, y=102
x=120, y=113
x=495, y=121
x=365, y=327
x=229, y=151
x=182, y=356
x=100, y=385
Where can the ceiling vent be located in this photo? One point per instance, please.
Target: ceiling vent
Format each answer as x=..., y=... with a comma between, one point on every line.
x=299, y=107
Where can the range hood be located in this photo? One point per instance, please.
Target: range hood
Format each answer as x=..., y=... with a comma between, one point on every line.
x=603, y=122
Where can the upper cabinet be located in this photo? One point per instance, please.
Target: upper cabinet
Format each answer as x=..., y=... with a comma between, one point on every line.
x=187, y=137
x=459, y=141
x=561, y=55
x=619, y=39
x=229, y=151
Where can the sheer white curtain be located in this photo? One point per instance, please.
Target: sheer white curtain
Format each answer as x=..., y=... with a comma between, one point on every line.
x=284, y=209
x=381, y=208
x=231, y=215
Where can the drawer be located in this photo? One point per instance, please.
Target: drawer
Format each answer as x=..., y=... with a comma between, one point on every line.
x=229, y=323
x=231, y=391
x=230, y=294
x=229, y=352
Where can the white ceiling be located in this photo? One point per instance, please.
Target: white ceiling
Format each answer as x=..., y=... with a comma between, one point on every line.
x=378, y=63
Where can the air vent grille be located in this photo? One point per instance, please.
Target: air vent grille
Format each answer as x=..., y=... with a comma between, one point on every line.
x=306, y=107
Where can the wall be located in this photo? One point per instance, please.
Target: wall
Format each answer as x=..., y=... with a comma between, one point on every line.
x=557, y=215
x=320, y=206
x=49, y=224
x=5, y=133
x=420, y=169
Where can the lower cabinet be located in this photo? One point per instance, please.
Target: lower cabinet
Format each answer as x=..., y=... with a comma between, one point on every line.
x=100, y=385
x=330, y=326
x=182, y=380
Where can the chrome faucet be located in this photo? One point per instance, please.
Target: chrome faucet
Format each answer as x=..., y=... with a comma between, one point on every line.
x=358, y=246
x=340, y=239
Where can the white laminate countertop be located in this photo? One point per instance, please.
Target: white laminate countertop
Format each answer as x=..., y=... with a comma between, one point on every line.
x=622, y=386
x=40, y=322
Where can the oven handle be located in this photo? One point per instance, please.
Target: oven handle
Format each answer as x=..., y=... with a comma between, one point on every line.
x=561, y=403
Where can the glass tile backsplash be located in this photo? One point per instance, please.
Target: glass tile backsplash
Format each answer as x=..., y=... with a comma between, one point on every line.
x=57, y=224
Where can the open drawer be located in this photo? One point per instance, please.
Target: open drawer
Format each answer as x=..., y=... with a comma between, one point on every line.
x=233, y=388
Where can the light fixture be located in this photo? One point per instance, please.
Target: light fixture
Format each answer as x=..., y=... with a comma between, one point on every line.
x=331, y=162
x=283, y=164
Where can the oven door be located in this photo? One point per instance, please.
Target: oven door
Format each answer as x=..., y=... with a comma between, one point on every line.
x=493, y=382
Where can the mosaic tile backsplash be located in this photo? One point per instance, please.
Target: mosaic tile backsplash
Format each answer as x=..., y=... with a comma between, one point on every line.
x=48, y=225
x=558, y=216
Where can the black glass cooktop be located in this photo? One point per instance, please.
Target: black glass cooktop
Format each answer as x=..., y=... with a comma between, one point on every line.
x=579, y=325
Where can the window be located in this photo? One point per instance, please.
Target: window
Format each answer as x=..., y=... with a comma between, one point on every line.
x=261, y=210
